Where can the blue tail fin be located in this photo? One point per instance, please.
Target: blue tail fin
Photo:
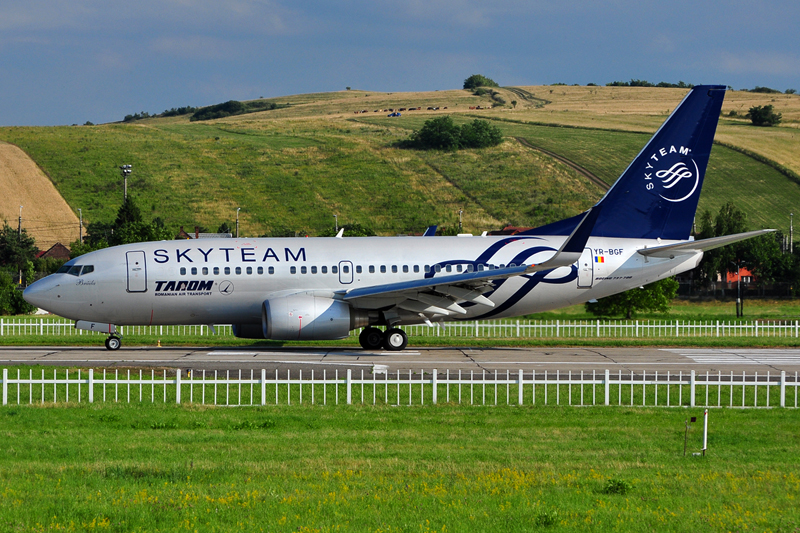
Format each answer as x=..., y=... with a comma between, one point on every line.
x=657, y=194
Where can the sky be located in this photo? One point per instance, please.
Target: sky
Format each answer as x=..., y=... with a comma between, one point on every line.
x=72, y=61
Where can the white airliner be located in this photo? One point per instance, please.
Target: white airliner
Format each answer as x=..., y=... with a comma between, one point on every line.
x=322, y=288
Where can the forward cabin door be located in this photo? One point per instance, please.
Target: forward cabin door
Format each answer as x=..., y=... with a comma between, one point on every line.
x=586, y=269
x=137, y=272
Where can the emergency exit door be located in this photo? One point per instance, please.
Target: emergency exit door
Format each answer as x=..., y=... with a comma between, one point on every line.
x=586, y=269
x=137, y=272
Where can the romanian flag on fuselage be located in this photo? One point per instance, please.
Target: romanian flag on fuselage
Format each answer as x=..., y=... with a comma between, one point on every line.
x=599, y=259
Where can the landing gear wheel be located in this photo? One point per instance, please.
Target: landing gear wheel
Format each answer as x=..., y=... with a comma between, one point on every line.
x=113, y=343
x=395, y=339
x=371, y=338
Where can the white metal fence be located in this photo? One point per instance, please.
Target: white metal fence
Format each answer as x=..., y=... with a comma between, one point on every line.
x=470, y=329
x=518, y=388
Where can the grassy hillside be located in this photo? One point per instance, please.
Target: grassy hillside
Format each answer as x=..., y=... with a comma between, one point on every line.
x=295, y=167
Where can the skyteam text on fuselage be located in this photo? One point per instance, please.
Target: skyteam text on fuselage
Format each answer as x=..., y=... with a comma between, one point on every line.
x=322, y=288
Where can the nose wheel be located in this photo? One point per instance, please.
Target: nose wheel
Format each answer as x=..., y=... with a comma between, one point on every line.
x=113, y=343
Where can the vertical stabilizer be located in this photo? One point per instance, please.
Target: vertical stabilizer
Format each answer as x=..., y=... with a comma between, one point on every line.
x=657, y=194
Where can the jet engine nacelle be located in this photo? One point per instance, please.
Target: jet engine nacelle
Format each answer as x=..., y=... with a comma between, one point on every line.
x=306, y=317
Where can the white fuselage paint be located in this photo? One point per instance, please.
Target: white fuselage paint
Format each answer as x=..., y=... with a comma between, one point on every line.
x=113, y=293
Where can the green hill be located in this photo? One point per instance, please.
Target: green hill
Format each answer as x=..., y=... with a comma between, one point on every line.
x=294, y=167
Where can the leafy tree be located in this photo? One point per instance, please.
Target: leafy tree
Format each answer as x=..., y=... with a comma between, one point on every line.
x=224, y=228
x=441, y=133
x=764, y=116
x=728, y=221
x=478, y=80
x=479, y=134
x=655, y=297
x=11, y=300
x=16, y=247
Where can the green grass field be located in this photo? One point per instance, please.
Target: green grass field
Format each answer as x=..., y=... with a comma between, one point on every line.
x=356, y=468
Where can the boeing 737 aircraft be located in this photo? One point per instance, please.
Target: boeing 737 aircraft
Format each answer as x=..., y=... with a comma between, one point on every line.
x=322, y=288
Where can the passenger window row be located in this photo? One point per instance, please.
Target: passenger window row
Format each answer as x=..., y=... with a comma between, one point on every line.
x=324, y=269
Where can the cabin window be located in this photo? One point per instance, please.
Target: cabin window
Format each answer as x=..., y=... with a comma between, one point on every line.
x=383, y=269
x=345, y=269
x=394, y=269
x=481, y=268
x=427, y=268
x=249, y=270
x=437, y=268
x=260, y=270
x=449, y=268
x=324, y=270
x=205, y=271
x=372, y=269
x=216, y=271
x=334, y=270
x=183, y=271
x=271, y=270
x=238, y=271
x=194, y=271
x=416, y=268
x=470, y=268
x=227, y=271
x=292, y=270
x=458, y=268
x=313, y=270
x=358, y=269
x=405, y=269
x=303, y=270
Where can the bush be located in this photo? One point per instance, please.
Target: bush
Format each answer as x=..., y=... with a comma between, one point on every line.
x=764, y=116
x=442, y=133
x=617, y=486
x=765, y=90
x=478, y=80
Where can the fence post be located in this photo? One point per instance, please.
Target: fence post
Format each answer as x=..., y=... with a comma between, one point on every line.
x=476, y=329
x=783, y=388
x=691, y=389
x=598, y=327
x=263, y=386
x=91, y=385
x=520, y=387
x=607, y=386
x=349, y=386
x=178, y=386
x=2, y=327
x=435, y=385
x=5, y=386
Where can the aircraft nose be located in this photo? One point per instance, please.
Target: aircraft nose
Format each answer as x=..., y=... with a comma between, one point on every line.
x=40, y=293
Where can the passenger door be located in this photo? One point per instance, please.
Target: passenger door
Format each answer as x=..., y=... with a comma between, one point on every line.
x=345, y=272
x=586, y=269
x=137, y=272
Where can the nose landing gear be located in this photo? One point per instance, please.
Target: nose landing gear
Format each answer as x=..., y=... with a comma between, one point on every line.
x=113, y=342
x=393, y=339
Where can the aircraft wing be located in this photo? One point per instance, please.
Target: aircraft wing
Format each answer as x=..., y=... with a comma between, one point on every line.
x=693, y=247
x=437, y=295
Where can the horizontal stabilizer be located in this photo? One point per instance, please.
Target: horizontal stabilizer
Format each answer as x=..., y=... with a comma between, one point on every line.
x=692, y=247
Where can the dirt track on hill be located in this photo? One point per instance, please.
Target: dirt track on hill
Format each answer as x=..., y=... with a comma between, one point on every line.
x=45, y=214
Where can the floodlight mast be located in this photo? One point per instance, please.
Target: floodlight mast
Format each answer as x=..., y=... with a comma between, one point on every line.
x=126, y=170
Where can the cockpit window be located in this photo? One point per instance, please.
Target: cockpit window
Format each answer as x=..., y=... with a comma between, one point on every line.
x=75, y=270
x=87, y=269
x=63, y=270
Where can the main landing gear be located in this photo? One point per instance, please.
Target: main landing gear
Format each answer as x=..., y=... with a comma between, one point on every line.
x=393, y=339
x=113, y=342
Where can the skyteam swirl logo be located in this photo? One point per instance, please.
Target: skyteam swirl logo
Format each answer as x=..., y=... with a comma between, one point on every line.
x=676, y=182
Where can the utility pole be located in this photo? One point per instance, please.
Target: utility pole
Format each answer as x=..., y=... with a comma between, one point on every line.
x=791, y=232
x=460, y=212
x=126, y=170
x=336, y=222
x=19, y=226
x=80, y=226
x=237, y=222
